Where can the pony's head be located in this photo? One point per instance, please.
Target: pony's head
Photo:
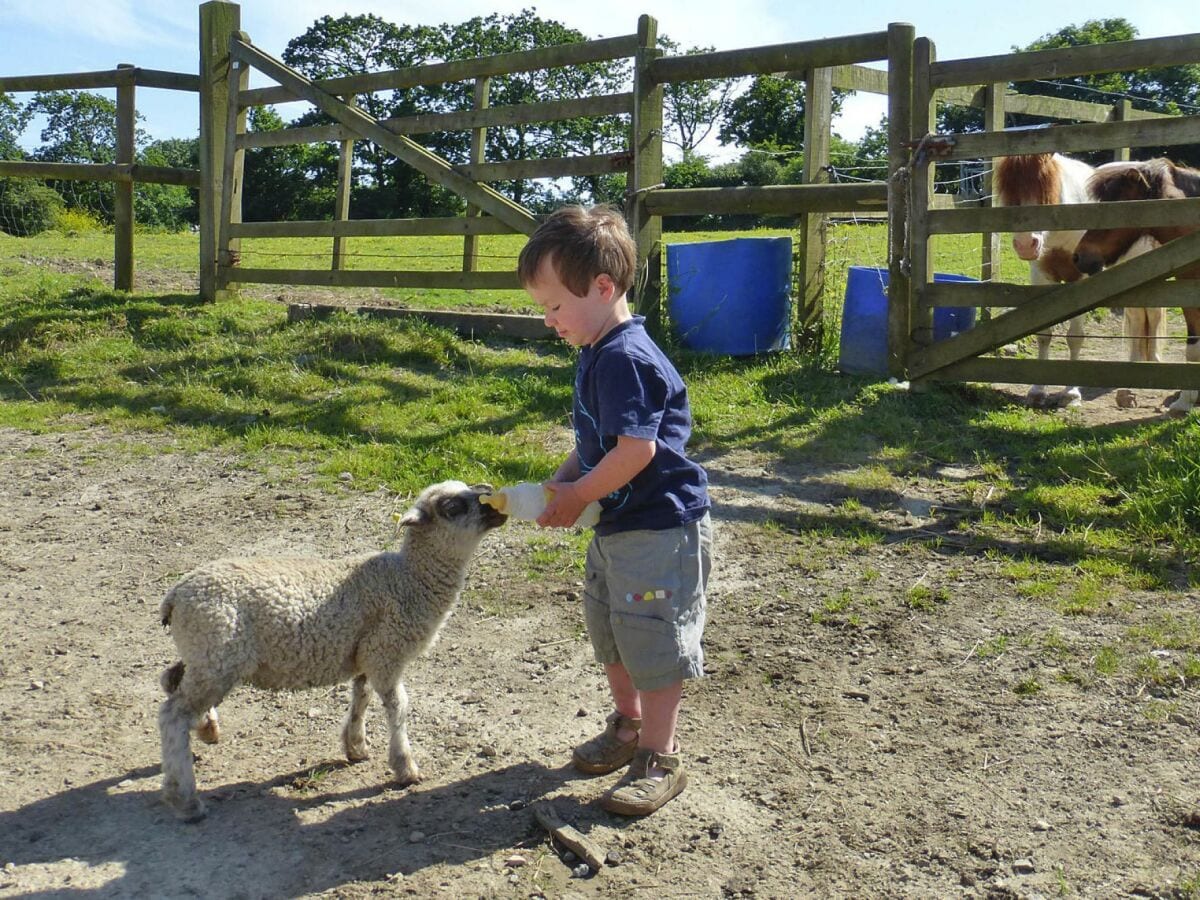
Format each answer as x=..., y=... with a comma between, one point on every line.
x=1100, y=247
x=1028, y=180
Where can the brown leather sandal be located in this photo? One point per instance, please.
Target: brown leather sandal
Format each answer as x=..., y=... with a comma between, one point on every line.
x=606, y=752
x=637, y=794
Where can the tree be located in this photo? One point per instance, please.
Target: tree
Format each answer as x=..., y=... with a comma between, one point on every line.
x=13, y=119
x=769, y=115
x=167, y=206
x=692, y=109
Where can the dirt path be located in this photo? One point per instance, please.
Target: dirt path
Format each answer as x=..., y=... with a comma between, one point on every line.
x=882, y=757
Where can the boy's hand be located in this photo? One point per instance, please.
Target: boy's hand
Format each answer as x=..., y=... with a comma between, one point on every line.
x=565, y=505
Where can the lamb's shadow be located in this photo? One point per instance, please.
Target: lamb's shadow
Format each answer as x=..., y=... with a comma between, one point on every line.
x=266, y=838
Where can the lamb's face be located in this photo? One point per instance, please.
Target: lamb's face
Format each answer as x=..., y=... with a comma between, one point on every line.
x=454, y=506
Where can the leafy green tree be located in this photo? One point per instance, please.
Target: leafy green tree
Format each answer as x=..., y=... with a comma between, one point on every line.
x=28, y=207
x=769, y=114
x=168, y=207
x=14, y=117
x=692, y=109
x=296, y=181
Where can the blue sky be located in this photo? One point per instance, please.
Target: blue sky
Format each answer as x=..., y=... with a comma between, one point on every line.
x=83, y=35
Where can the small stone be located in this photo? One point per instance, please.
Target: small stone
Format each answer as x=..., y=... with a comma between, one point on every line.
x=568, y=857
x=36, y=685
x=128, y=782
x=416, y=837
x=1023, y=866
x=581, y=713
x=613, y=858
x=516, y=861
x=1041, y=825
x=517, y=804
x=314, y=713
x=345, y=476
x=487, y=751
x=583, y=870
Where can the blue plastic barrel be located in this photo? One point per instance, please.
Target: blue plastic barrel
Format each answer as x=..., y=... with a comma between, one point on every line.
x=731, y=297
x=864, y=347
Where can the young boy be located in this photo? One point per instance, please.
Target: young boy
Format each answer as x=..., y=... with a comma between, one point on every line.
x=649, y=559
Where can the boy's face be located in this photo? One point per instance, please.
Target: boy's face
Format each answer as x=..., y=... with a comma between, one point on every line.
x=580, y=321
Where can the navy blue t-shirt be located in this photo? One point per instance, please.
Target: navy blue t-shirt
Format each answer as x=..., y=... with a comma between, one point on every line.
x=625, y=385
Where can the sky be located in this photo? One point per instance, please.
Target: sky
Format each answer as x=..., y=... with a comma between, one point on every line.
x=84, y=35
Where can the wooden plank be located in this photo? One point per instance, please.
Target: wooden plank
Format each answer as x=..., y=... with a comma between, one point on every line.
x=557, y=167
x=123, y=191
x=900, y=131
x=599, y=50
x=568, y=836
x=1175, y=294
x=993, y=120
x=122, y=173
x=1066, y=62
x=818, y=125
x=377, y=278
x=646, y=178
x=219, y=21
x=468, y=324
x=1089, y=373
x=341, y=197
x=920, y=190
x=324, y=228
x=233, y=168
x=855, y=78
x=427, y=163
x=1064, y=302
x=481, y=96
x=1067, y=216
x=170, y=81
x=795, y=56
x=69, y=81
x=1167, y=132
x=775, y=199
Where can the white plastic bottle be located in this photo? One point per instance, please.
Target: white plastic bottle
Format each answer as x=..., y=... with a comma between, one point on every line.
x=526, y=501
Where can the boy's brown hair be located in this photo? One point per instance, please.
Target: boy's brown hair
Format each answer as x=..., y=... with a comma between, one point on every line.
x=581, y=244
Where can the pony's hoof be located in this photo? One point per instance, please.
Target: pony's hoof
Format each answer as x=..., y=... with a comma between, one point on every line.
x=1126, y=399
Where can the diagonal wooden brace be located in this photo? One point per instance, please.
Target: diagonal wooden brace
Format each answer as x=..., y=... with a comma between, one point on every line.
x=360, y=123
x=1065, y=302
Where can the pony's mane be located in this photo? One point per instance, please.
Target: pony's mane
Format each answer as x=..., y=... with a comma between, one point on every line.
x=1161, y=175
x=1030, y=180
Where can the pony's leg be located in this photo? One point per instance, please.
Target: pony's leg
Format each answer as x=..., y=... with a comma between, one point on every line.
x=1071, y=395
x=1036, y=396
x=1187, y=399
x=1137, y=334
x=400, y=758
x=354, y=732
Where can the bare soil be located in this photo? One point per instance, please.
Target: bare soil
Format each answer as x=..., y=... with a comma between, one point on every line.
x=876, y=758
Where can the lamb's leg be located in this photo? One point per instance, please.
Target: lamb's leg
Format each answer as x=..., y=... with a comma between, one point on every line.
x=400, y=758
x=354, y=732
x=179, y=776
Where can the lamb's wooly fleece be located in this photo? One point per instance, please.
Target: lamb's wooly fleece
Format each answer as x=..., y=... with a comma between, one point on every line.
x=292, y=623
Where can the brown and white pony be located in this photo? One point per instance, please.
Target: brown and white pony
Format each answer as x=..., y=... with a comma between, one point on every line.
x=1046, y=179
x=1153, y=179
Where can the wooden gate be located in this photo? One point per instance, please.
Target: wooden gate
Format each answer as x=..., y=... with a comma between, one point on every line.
x=1031, y=309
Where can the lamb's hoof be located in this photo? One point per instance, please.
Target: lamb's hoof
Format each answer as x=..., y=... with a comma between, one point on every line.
x=209, y=730
x=1035, y=399
x=357, y=753
x=1126, y=399
x=1169, y=402
x=189, y=811
x=407, y=775
x=1070, y=400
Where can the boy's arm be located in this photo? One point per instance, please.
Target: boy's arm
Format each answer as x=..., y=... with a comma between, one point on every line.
x=569, y=470
x=615, y=470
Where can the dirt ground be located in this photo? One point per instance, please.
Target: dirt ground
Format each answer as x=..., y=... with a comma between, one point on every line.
x=877, y=759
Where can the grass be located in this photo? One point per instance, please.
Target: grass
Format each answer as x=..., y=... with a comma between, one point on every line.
x=402, y=404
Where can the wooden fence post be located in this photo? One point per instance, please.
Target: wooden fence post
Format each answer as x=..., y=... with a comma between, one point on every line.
x=993, y=120
x=483, y=88
x=1121, y=113
x=341, y=201
x=219, y=20
x=920, y=191
x=123, y=190
x=229, y=248
x=818, y=122
x=647, y=174
x=901, y=36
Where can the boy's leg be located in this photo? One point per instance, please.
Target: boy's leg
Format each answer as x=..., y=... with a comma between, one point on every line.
x=626, y=699
x=660, y=715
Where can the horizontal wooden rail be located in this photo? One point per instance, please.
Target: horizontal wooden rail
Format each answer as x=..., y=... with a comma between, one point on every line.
x=459, y=70
x=376, y=278
x=1067, y=62
x=1065, y=302
x=780, y=199
x=799, y=55
x=1066, y=217
x=1166, y=132
x=119, y=172
x=467, y=323
x=1173, y=294
x=1089, y=373
x=491, y=117
x=559, y=167
x=107, y=78
x=454, y=227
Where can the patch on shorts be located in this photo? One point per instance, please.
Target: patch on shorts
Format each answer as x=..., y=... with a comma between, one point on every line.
x=647, y=596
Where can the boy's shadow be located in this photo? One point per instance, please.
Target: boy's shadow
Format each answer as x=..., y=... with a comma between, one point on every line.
x=262, y=839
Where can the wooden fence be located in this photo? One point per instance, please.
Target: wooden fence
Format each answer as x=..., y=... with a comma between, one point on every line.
x=125, y=172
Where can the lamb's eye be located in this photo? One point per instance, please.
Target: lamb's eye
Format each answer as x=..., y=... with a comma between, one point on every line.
x=453, y=507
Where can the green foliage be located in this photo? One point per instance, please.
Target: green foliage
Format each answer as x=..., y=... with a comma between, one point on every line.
x=74, y=222
x=28, y=207
x=691, y=109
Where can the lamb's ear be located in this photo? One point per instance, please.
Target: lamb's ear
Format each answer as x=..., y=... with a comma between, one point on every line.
x=415, y=516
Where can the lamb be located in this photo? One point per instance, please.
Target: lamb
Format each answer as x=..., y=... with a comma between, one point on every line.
x=292, y=623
